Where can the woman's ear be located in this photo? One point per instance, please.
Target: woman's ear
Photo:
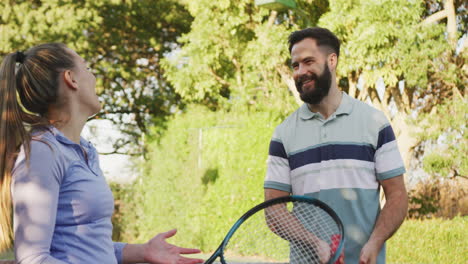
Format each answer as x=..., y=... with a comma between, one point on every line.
x=69, y=79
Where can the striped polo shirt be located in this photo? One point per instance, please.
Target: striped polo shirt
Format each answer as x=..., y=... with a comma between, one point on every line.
x=339, y=160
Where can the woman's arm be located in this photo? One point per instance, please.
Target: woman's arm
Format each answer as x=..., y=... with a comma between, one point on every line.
x=35, y=190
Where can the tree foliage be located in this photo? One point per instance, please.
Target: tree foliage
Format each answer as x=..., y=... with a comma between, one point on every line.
x=123, y=41
x=445, y=129
x=398, y=55
x=405, y=57
x=233, y=55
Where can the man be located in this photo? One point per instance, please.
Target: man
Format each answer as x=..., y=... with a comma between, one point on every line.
x=339, y=150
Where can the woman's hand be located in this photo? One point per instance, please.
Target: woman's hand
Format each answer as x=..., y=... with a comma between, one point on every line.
x=158, y=251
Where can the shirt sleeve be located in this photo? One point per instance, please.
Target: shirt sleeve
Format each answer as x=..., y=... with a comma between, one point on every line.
x=388, y=161
x=118, y=249
x=35, y=189
x=278, y=170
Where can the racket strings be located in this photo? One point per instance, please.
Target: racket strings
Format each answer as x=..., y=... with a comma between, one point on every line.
x=307, y=228
x=281, y=233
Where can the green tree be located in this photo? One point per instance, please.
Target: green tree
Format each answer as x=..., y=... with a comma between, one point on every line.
x=409, y=48
x=235, y=54
x=399, y=55
x=123, y=41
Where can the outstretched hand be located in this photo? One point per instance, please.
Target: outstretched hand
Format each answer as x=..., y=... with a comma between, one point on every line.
x=158, y=251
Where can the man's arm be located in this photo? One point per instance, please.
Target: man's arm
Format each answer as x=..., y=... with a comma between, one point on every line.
x=389, y=220
x=273, y=193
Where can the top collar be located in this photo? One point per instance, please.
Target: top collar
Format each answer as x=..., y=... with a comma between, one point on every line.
x=62, y=138
x=345, y=108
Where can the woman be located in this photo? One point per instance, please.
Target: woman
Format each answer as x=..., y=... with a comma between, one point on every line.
x=62, y=206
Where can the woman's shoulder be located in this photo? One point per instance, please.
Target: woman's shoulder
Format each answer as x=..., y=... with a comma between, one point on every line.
x=44, y=142
x=43, y=148
x=44, y=157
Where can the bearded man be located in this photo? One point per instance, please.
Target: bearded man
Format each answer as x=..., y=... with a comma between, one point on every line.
x=339, y=150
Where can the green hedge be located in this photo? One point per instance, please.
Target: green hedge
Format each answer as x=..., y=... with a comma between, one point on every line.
x=202, y=175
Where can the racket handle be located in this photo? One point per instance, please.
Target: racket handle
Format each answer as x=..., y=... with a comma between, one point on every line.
x=334, y=246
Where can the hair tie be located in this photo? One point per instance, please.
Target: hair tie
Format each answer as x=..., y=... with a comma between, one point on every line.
x=20, y=56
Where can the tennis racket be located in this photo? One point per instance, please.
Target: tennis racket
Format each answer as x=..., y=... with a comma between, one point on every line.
x=290, y=229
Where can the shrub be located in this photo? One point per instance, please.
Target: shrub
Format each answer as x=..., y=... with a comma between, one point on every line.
x=432, y=198
x=201, y=176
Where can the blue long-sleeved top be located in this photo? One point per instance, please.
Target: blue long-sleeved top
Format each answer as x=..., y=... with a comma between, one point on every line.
x=62, y=204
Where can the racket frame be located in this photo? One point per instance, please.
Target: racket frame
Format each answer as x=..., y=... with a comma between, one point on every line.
x=283, y=199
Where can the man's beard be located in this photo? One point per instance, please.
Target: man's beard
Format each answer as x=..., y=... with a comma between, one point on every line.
x=322, y=86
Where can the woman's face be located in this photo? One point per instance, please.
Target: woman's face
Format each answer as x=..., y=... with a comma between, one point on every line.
x=86, y=82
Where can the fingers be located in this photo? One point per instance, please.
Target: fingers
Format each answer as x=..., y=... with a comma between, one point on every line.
x=184, y=260
x=189, y=250
x=364, y=259
x=169, y=233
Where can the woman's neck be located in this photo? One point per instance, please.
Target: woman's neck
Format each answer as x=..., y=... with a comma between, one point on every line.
x=69, y=124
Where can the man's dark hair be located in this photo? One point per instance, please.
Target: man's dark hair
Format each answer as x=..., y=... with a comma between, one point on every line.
x=323, y=36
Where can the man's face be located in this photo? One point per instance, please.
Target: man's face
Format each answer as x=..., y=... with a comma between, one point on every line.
x=310, y=71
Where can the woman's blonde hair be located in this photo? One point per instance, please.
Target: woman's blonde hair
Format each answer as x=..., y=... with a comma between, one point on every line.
x=29, y=84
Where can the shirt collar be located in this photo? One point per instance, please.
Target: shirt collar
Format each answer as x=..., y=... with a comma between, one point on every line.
x=305, y=113
x=63, y=139
x=346, y=105
x=345, y=108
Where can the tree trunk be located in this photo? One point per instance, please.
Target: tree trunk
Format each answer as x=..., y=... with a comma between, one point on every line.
x=352, y=82
x=289, y=81
x=406, y=139
x=451, y=23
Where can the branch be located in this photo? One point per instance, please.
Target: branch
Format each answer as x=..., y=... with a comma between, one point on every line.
x=375, y=99
x=288, y=80
x=398, y=99
x=218, y=78
x=364, y=93
x=121, y=153
x=352, y=82
x=449, y=13
x=120, y=112
x=238, y=73
x=386, y=98
x=451, y=22
x=435, y=17
x=272, y=18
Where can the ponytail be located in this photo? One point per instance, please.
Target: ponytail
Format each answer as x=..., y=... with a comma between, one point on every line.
x=12, y=132
x=35, y=82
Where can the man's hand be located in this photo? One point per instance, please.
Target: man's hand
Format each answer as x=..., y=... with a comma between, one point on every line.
x=323, y=251
x=369, y=253
x=390, y=218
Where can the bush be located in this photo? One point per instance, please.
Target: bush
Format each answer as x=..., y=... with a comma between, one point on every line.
x=201, y=176
x=432, y=198
x=119, y=191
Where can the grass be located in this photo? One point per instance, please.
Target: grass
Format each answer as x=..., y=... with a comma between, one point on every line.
x=430, y=241
x=419, y=242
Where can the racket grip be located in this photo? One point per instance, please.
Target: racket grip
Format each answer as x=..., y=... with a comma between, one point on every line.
x=335, y=241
